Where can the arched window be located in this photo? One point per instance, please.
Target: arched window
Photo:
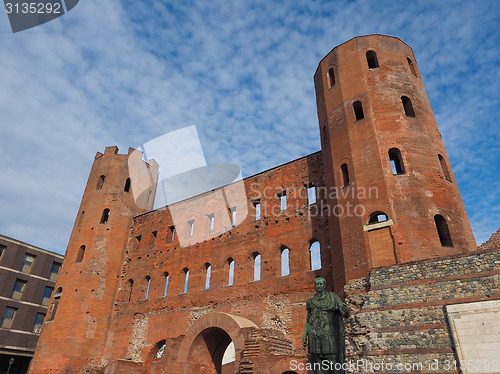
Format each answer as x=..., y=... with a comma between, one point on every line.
x=100, y=182
x=127, y=185
x=256, y=266
x=285, y=262
x=81, y=253
x=167, y=281
x=57, y=297
x=128, y=290
x=443, y=231
x=159, y=349
x=230, y=265
x=105, y=215
x=371, y=58
x=444, y=168
x=345, y=175
x=208, y=269
x=80, y=218
x=377, y=217
x=407, y=106
x=331, y=78
x=412, y=67
x=148, y=285
x=186, y=279
x=358, y=110
x=396, y=161
x=315, y=255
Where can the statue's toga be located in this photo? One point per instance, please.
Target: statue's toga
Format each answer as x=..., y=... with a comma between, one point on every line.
x=324, y=330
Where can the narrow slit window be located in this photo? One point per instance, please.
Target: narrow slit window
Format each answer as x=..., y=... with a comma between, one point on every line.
x=232, y=211
x=345, y=175
x=171, y=234
x=443, y=231
x=208, y=269
x=256, y=204
x=57, y=298
x=230, y=263
x=154, y=236
x=412, y=67
x=282, y=197
x=331, y=78
x=80, y=254
x=358, y=110
x=191, y=227
x=311, y=194
x=186, y=279
x=167, y=281
x=285, y=262
x=80, y=218
x=148, y=285
x=100, y=182
x=256, y=266
x=444, y=168
x=377, y=217
x=371, y=58
x=127, y=185
x=211, y=218
x=105, y=215
x=315, y=255
x=408, y=107
x=396, y=161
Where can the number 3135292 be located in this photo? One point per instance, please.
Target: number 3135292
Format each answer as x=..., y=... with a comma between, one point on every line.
x=33, y=8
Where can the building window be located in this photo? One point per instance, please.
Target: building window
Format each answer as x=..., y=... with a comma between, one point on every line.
x=100, y=182
x=211, y=218
x=80, y=218
x=167, y=281
x=285, y=262
x=444, y=168
x=127, y=185
x=315, y=255
x=331, y=78
x=408, y=107
x=27, y=263
x=2, y=249
x=208, y=269
x=148, y=285
x=54, y=271
x=81, y=253
x=128, y=290
x=18, y=289
x=282, y=197
x=396, y=161
x=232, y=212
x=358, y=110
x=230, y=263
x=345, y=175
x=47, y=294
x=186, y=279
x=377, y=217
x=256, y=266
x=311, y=194
x=154, y=235
x=412, y=67
x=105, y=215
x=57, y=297
x=8, y=317
x=443, y=231
x=191, y=227
x=171, y=234
x=256, y=204
x=371, y=58
x=37, y=324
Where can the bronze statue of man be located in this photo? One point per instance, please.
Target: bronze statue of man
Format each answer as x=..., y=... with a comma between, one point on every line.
x=324, y=330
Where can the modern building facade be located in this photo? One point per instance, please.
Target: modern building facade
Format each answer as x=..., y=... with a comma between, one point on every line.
x=27, y=277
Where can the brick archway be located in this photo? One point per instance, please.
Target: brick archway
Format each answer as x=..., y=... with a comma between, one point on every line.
x=201, y=345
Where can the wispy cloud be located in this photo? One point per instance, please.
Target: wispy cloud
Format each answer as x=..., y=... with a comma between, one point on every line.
x=123, y=72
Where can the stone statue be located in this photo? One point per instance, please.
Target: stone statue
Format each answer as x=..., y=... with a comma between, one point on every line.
x=324, y=330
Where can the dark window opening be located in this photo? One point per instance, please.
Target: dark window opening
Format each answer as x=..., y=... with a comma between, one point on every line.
x=154, y=234
x=148, y=285
x=54, y=271
x=80, y=218
x=8, y=317
x=127, y=185
x=358, y=110
x=100, y=182
x=325, y=135
x=27, y=263
x=171, y=234
x=396, y=161
x=57, y=297
x=105, y=215
x=37, y=324
x=443, y=231
x=345, y=175
x=331, y=78
x=377, y=217
x=167, y=281
x=47, y=294
x=18, y=289
x=444, y=168
x=128, y=290
x=371, y=58
x=186, y=279
x=407, y=106
x=412, y=67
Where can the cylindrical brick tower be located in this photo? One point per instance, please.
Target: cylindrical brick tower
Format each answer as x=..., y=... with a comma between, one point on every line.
x=77, y=322
x=391, y=194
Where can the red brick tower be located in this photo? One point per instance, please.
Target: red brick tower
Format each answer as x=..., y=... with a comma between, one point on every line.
x=392, y=194
x=78, y=318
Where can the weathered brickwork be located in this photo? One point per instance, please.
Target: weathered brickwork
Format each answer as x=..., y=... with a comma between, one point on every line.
x=386, y=217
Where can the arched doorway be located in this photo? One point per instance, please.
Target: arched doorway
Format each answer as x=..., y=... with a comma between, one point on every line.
x=207, y=352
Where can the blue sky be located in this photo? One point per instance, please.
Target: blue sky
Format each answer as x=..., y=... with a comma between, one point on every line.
x=124, y=72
